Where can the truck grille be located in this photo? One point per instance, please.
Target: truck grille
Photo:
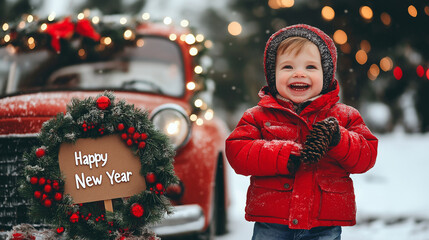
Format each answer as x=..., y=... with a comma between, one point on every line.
x=13, y=208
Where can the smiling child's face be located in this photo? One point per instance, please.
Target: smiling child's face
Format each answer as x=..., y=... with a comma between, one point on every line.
x=299, y=74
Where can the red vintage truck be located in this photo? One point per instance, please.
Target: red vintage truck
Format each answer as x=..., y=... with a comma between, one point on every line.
x=44, y=64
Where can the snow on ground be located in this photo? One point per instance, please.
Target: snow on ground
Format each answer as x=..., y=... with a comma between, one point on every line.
x=392, y=198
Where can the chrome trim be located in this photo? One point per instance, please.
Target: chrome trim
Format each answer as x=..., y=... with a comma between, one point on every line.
x=184, y=219
x=20, y=135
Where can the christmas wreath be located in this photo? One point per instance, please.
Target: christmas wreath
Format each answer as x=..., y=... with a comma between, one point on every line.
x=96, y=118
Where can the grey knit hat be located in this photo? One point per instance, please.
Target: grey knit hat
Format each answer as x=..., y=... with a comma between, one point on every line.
x=326, y=45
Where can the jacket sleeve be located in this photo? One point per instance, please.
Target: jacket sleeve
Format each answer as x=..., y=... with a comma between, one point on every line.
x=357, y=149
x=249, y=154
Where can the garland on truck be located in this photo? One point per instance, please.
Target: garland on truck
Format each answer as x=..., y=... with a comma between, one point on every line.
x=95, y=118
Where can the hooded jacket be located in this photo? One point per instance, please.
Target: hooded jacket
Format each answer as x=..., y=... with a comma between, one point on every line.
x=315, y=195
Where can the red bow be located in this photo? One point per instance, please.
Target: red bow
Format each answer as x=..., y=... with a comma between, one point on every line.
x=66, y=28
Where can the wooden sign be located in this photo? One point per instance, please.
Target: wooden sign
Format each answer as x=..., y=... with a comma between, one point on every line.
x=100, y=169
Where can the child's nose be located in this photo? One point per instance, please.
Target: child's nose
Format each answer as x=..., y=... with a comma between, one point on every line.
x=299, y=74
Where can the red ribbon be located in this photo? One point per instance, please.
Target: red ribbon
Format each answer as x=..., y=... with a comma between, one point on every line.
x=65, y=29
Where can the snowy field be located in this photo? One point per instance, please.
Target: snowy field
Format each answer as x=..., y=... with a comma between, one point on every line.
x=392, y=198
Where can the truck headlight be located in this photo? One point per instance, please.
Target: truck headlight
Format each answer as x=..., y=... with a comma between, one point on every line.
x=172, y=120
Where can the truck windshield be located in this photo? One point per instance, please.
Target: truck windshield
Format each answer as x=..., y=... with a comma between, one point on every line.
x=154, y=64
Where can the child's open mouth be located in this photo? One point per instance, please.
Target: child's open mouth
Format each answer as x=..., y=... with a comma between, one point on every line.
x=299, y=86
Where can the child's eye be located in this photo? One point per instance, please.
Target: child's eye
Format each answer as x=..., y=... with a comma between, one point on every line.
x=311, y=67
x=287, y=67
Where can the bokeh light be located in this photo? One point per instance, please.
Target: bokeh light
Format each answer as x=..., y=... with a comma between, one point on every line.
x=386, y=19
x=340, y=37
x=328, y=13
x=420, y=71
x=373, y=72
x=386, y=64
x=412, y=11
x=397, y=73
x=234, y=28
x=361, y=57
x=366, y=12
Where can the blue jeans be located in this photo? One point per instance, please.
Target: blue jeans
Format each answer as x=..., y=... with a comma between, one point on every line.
x=272, y=231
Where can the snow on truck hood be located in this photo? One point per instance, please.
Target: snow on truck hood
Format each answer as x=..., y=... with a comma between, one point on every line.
x=24, y=114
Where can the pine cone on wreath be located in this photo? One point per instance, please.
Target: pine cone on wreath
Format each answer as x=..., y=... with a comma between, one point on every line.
x=324, y=134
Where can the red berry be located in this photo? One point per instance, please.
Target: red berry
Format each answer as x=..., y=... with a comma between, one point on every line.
x=103, y=102
x=56, y=185
x=40, y=152
x=121, y=127
x=159, y=187
x=129, y=142
x=136, y=136
x=44, y=196
x=60, y=230
x=143, y=136
x=47, y=203
x=131, y=130
x=34, y=180
x=47, y=188
x=84, y=125
x=151, y=177
x=42, y=181
x=137, y=210
x=74, y=218
x=58, y=196
x=142, y=145
x=37, y=194
x=124, y=136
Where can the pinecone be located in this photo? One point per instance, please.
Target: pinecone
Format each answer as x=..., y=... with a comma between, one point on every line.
x=318, y=141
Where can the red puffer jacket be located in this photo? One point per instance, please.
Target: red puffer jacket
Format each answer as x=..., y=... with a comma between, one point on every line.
x=316, y=195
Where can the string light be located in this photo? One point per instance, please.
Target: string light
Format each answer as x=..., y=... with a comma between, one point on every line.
x=209, y=115
x=198, y=103
x=190, y=39
x=128, y=34
x=199, y=37
x=30, y=18
x=51, y=17
x=123, y=21
x=199, y=122
x=6, y=38
x=5, y=27
x=140, y=43
x=81, y=16
x=145, y=16
x=198, y=69
x=193, y=117
x=190, y=86
x=184, y=23
x=106, y=40
x=193, y=51
x=167, y=20
x=43, y=27
x=96, y=20
x=172, y=37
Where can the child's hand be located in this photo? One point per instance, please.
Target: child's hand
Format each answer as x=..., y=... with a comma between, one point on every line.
x=324, y=134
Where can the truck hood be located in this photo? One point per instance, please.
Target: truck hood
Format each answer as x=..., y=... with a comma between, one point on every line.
x=25, y=114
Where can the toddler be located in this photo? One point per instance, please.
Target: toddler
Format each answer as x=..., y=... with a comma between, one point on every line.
x=299, y=144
